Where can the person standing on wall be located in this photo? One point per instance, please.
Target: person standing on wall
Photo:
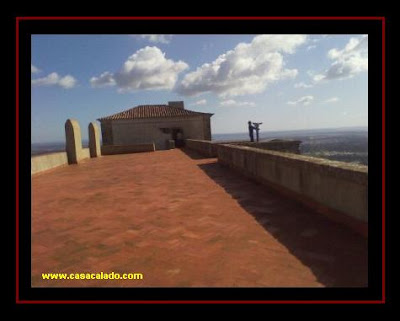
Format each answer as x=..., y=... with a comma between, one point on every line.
x=251, y=131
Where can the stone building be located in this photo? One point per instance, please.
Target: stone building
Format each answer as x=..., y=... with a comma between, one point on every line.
x=156, y=124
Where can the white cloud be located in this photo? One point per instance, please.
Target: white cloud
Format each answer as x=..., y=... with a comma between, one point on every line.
x=67, y=81
x=34, y=69
x=232, y=102
x=311, y=47
x=50, y=79
x=349, y=61
x=200, y=102
x=305, y=100
x=318, y=78
x=157, y=38
x=104, y=80
x=302, y=85
x=146, y=69
x=331, y=100
x=54, y=79
x=247, y=69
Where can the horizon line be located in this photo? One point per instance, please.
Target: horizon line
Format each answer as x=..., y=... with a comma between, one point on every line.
x=301, y=129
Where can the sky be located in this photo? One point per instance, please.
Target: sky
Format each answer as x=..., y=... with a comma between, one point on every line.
x=287, y=82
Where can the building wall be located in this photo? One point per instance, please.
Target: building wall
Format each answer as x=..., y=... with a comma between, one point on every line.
x=106, y=132
x=207, y=127
x=145, y=131
x=126, y=149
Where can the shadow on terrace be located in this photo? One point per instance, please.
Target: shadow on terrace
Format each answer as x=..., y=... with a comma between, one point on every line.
x=337, y=256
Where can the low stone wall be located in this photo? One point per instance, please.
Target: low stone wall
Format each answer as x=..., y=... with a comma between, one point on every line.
x=45, y=162
x=41, y=163
x=85, y=153
x=209, y=148
x=204, y=147
x=126, y=149
x=339, y=187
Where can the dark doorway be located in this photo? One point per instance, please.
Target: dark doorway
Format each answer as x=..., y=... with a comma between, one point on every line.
x=177, y=136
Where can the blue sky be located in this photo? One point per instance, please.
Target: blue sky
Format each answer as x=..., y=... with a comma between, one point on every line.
x=285, y=81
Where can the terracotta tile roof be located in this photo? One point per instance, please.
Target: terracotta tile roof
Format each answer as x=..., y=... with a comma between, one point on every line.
x=152, y=111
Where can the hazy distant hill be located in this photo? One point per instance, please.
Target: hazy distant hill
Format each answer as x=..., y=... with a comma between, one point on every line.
x=351, y=147
x=46, y=148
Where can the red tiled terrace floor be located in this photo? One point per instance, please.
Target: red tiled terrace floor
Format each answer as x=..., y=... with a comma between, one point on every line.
x=182, y=221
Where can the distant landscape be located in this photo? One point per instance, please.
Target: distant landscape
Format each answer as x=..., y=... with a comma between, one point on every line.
x=51, y=147
x=341, y=144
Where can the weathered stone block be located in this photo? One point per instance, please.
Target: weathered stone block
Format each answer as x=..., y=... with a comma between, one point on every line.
x=73, y=141
x=94, y=140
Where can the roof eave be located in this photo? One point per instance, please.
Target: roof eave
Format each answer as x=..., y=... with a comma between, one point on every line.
x=161, y=117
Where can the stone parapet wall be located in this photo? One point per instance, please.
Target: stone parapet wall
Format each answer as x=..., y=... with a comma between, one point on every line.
x=341, y=187
x=41, y=163
x=45, y=162
x=204, y=147
x=85, y=153
x=209, y=148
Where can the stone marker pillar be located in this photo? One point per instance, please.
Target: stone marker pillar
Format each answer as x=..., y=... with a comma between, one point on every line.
x=73, y=141
x=94, y=140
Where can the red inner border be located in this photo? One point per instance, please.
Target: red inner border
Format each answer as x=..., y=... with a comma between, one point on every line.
x=200, y=18
x=383, y=300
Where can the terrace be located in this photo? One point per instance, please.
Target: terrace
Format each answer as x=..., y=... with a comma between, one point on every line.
x=183, y=221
